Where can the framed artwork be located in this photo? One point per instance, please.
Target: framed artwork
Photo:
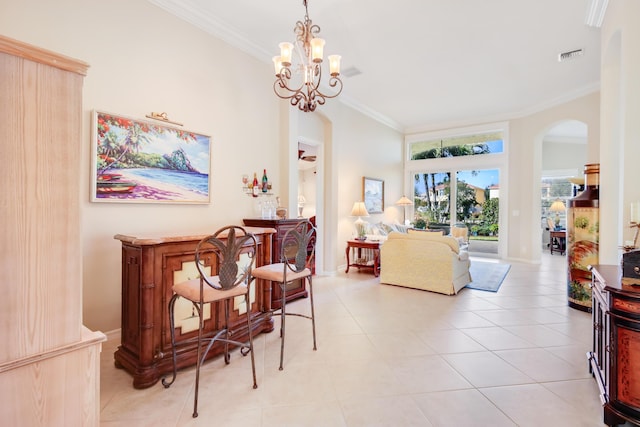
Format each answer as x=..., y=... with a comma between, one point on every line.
x=139, y=161
x=373, y=194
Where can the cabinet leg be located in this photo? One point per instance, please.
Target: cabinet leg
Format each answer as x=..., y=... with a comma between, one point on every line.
x=611, y=418
x=347, y=253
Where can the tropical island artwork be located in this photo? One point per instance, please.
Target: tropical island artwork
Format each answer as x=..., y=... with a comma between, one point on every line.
x=141, y=161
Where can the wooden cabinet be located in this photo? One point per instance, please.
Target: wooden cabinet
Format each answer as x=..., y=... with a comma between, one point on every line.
x=615, y=358
x=49, y=362
x=297, y=288
x=150, y=267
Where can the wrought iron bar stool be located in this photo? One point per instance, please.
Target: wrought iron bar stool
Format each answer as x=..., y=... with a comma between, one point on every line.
x=231, y=251
x=296, y=255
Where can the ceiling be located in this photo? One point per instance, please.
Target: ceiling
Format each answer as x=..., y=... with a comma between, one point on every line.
x=427, y=64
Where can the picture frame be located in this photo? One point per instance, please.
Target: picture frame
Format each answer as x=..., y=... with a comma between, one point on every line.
x=373, y=194
x=142, y=161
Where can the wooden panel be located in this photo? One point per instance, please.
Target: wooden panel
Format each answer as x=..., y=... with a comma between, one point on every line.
x=628, y=372
x=626, y=305
x=23, y=50
x=59, y=388
x=49, y=363
x=41, y=255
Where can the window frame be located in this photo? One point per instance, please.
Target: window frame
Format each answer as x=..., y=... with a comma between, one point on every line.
x=460, y=163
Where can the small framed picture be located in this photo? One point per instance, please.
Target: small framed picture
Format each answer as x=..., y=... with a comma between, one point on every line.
x=373, y=194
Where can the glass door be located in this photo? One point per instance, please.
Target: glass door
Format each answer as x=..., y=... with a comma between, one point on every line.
x=461, y=199
x=478, y=208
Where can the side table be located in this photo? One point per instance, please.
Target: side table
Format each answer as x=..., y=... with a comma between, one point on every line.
x=558, y=241
x=356, y=247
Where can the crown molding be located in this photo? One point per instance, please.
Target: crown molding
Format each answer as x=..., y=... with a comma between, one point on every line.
x=596, y=10
x=211, y=25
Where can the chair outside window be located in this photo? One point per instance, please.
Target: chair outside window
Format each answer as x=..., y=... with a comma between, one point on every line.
x=231, y=252
x=461, y=232
x=296, y=257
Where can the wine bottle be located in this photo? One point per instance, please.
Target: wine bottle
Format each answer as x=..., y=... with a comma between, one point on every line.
x=255, y=187
x=265, y=180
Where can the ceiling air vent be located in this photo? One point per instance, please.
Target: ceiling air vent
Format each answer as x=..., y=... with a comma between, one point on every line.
x=572, y=54
x=350, y=72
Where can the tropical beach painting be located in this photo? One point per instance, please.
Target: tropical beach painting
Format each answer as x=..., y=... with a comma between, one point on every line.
x=141, y=161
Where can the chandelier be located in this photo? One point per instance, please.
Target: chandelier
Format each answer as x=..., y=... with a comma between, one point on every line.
x=304, y=89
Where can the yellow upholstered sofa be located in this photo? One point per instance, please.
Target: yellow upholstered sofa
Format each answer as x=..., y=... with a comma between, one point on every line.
x=424, y=260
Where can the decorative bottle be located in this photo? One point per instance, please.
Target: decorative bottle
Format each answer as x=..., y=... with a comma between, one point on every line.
x=265, y=180
x=583, y=239
x=256, y=187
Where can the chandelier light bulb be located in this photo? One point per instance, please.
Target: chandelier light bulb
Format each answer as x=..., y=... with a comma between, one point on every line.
x=277, y=65
x=286, y=50
x=308, y=75
x=334, y=65
x=317, y=47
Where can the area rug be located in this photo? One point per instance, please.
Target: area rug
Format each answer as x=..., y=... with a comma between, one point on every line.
x=487, y=276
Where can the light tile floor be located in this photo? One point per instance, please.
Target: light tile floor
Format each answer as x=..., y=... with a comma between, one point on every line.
x=390, y=356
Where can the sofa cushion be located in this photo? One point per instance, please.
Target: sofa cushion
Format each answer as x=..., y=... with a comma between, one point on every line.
x=431, y=236
x=388, y=227
x=379, y=229
x=421, y=231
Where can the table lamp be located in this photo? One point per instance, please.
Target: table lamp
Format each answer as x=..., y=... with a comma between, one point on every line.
x=301, y=203
x=404, y=202
x=360, y=210
x=557, y=207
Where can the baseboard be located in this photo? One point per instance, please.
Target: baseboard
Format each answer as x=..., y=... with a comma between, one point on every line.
x=523, y=260
x=113, y=335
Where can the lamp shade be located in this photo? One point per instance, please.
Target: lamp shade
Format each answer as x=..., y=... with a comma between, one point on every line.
x=404, y=201
x=334, y=64
x=557, y=206
x=359, y=209
x=286, y=50
x=317, y=49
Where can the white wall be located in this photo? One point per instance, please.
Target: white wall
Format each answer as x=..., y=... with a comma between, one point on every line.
x=525, y=163
x=142, y=60
x=568, y=158
x=620, y=110
x=354, y=146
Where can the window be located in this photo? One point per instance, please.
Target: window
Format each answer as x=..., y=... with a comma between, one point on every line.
x=431, y=196
x=470, y=145
x=456, y=179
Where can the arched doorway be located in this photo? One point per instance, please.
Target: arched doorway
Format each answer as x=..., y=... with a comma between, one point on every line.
x=564, y=154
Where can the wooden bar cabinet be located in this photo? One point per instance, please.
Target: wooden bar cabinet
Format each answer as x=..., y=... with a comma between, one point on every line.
x=615, y=358
x=150, y=267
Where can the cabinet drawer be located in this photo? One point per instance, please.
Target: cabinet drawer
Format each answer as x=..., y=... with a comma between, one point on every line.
x=628, y=306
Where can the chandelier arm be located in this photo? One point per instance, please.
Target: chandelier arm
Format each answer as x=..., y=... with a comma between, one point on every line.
x=281, y=82
x=333, y=82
